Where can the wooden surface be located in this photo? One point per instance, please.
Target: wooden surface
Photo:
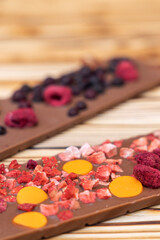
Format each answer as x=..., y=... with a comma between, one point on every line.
x=45, y=37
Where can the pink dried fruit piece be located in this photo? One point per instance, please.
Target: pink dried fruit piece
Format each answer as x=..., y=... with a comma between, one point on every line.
x=3, y=205
x=57, y=95
x=20, y=118
x=127, y=71
x=65, y=215
x=26, y=207
x=148, y=159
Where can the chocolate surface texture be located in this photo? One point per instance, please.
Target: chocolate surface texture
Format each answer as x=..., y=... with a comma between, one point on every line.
x=53, y=120
x=88, y=214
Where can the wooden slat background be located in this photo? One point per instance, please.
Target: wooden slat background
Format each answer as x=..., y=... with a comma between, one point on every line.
x=48, y=37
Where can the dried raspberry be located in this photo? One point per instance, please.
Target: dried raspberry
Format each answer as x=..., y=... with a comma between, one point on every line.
x=49, y=209
x=157, y=151
x=87, y=197
x=72, y=176
x=109, y=149
x=103, y=173
x=126, y=153
x=57, y=95
x=70, y=192
x=103, y=193
x=154, y=145
x=142, y=141
x=97, y=157
x=51, y=172
x=14, y=164
x=31, y=164
x=10, y=199
x=40, y=179
x=10, y=183
x=25, y=177
x=16, y=189
x=65, y=215
x=3, y=205
x=2, y=168
x=70, y=153
x=49, y=162
x=88, y=184
x=20, y=118
x=14, y=173
x=3, y=192
x=148, y=176
x=86, y=150
x=127, y=71
x=26, y=207
x=2, y=178
x=148, y=159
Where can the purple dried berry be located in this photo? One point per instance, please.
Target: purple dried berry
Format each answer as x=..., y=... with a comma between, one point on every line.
x=72, y=112
x=81, y=105
x=31, y=164
x=18, y=96
x=90, y=93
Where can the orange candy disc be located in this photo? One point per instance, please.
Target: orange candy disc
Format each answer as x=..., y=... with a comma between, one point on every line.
x=31, y=219
x=31, y=195
x=81, y=167
x=125, y=186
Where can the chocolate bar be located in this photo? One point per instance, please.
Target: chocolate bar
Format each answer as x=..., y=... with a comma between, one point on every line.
x=53, y=120
x=118, y=157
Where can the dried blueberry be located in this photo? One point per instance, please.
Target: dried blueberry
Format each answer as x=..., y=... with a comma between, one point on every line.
x=114, y=61
x=76, y=90
x=98, y=88
x=18, y=96
x=66, y=80
x=81, y=105
x=31, y=164
x=117, y=82
x=49, y=81
x=90, y=93
x=85, y=71
x=2, y=130
x=72, y=112
x=38, y=94
x=25, y=104
x=25, y=88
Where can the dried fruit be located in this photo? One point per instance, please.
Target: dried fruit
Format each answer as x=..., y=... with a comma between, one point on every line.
x=14, y=173
x=103, y=173
x=49, y=209
x=31, y=164
x=97, y=157
x=109, y=149
x=148, y=159
x=103, y=193
x=86, y=150
x=70, y=153
x=70, y=192
x=10, y=199
x=126, y=71
x=25, y=177
x=49, y=162
x=40, y=179
x=88, y=184
x=126, y=153
x=3, y=205
x=87, y=197
x=14, y=164
x=65, y=215
x=3, y=130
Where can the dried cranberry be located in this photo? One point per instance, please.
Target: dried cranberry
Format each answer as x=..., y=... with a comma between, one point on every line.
x=90, y=93
x=2, y=130
x=72, y=112
x=20, y=118
x=81, y=105
x=18, y=96
x=31, y=164
x=57, y=95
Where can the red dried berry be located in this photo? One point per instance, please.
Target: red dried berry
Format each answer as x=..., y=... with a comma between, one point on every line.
x=31, y=164
x=10, y=199
x=49, y=209
x=126, y=71
x=87, y=197
x=2, y=178
x=14, y=173
x=2, y=168
x=3, y=192
x=10, y=183
x=103, y=173
x=70, y=192
x=26, y=207
x=148, y=176
x=25, y=177
x=40, y=179
x=14, y=164
x=103, y=193
x=148, y=159
x=65, y=215
x=49, y=162
x=3, y=205
x=16, y=189
x=51, y=172
x=57, y=95
x=157, y=151
x=88, y=184
x=20, y=118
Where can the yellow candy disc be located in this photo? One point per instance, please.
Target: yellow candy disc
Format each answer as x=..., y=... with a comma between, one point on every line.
x=78, y=166
x=31, y=195
x=31, y=219
x=125, y=186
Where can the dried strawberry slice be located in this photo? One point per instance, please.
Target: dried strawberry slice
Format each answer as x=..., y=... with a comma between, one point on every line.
x=27, y=207
x=49, y=209
x=20, y=118
x=56, y=95
x=3, y=205
x=87, y=197
x=65, y=215
x=103, y=193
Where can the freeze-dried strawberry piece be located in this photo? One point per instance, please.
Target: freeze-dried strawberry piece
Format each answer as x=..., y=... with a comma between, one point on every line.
x=47, y=185
x=86, y=150
x=103, y=173
x=3, y=192
x=65, y=204
x=49, y=209
x=40, y=179
x=58, y=178
x=3, y=184
x=127, y=71
x=26, y=207
x=87, y=197
x=64, y=174
x=25, y=177
x=118, y=143
x=104, y=183
x=56, y=95
x=31, y=164
x=20, y=118
x=141, y=149
x=113, y=161
x=10, y=183
x=62, y=185
x=148, y=159
x=153, y=145
x=70, y=192
x=72, y=176
x=97, y=157
x=126, y=153
x=74, y=204
x=103, y=193
x=38, y=168
x=52, y=191
x=49, y=162
x=14, y=173
x=57, y=196
x=115, y=168
x=150, y=137
x=16, y=189
x=70, y=153
x=14, y=164
x=3, y=205
x=113, y=176
x=157, y=134
x=106, y=141
x=88, y=184
x=92, y=173
x=54, y=180
x=65, y=215
x=2, y=177
x=10, y=198
x=142, y=141
x=51, y=172
x=31, y=184
x=2, y=168
x=69, y=204
x=109, y=149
